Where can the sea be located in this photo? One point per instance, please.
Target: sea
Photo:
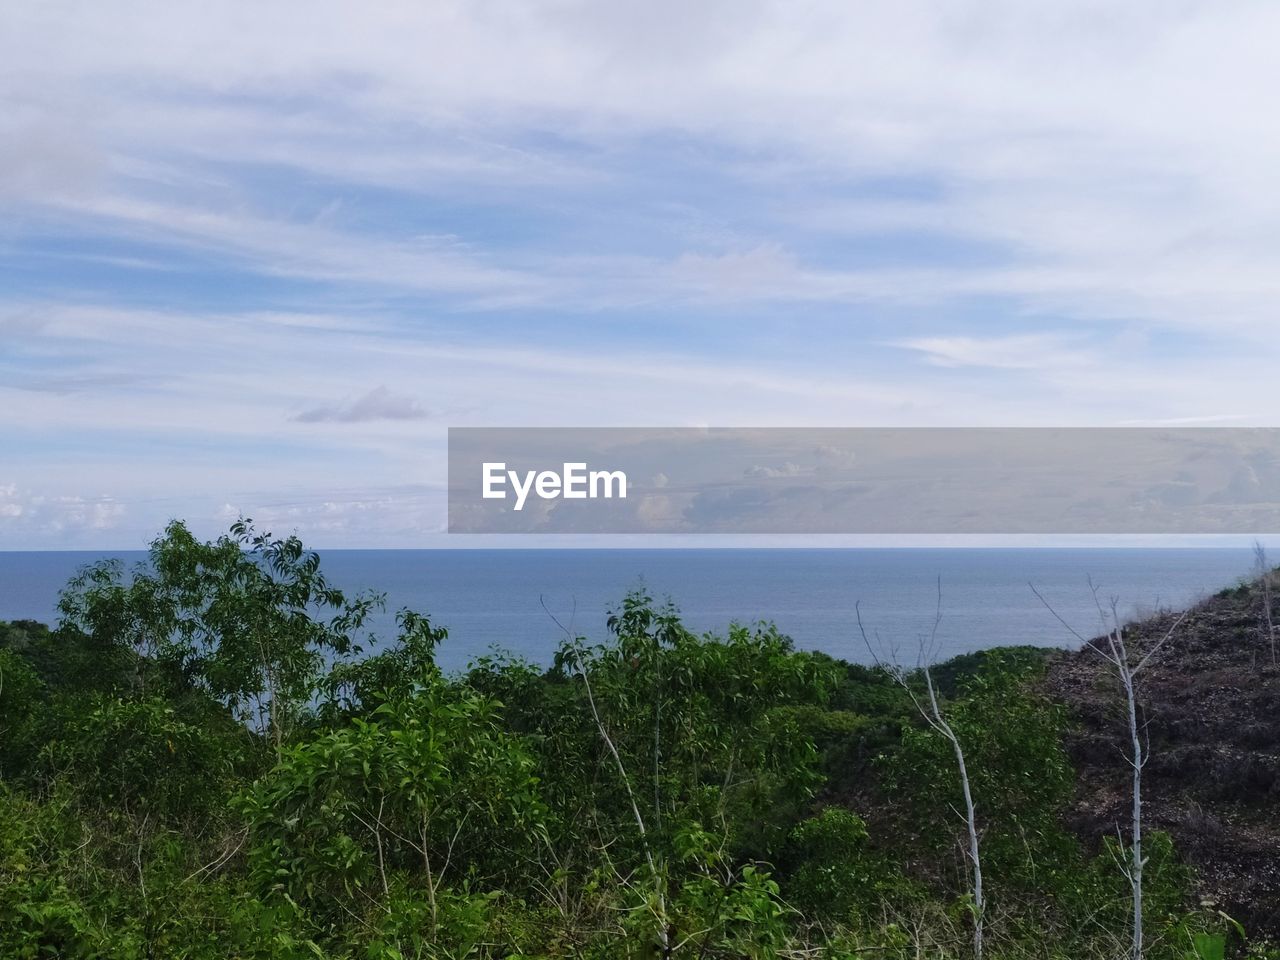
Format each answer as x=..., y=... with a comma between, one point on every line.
x=506, y=599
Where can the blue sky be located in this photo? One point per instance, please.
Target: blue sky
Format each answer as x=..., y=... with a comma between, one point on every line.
x=256, y=258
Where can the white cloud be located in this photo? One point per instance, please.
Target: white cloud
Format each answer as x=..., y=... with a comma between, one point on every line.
x=1124, y=183
x=310, y=250
x=1075, y=203
x=24, y=512
x=1023, y=352
x=770, y=472
x=10, y=507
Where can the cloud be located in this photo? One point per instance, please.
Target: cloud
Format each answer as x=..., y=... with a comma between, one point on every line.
x=307, y=250
x=25, y=513
x=1023, y=352
x=10, y=506
x=766, y=472
x=792, y=222
x=84, y=383
x=1100, y=176
x=100, y=513
x=42, y=154
x=764, y=271
x=378, y=404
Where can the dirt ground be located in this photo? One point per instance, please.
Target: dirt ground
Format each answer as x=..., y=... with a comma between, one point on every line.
x=1211, y=701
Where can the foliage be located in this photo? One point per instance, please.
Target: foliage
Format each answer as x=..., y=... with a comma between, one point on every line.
x=837, y=878
x=247, y=618
x=21, y=695
x=706, y=724
x=138, y=757
x=428, y=791
x=200, y=761
x=1019, y=774
x=357, y=687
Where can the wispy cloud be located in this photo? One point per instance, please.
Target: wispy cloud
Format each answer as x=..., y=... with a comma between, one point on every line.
x=1021, y=352
x=378, y=404
x=517, y=216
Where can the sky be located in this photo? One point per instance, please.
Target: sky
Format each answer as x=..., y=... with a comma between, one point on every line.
x=256, y=258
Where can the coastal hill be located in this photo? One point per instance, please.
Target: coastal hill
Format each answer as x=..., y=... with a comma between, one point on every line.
x=1211, y=702
x=201, y=761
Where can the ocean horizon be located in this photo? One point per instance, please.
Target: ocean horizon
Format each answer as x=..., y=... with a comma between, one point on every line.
x=493, y=599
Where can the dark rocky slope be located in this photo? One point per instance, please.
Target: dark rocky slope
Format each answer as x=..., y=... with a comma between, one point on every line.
x=1211, y=698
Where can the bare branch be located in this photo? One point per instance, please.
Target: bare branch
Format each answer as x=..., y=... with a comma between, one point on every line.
x=1117, y=654
x=1162, y=641
x=933, y=715
x=622, y=772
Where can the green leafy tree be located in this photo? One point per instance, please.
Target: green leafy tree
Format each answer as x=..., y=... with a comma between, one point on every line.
x=1019, y=776
x=704, y=724
x=139, y=757
x=201, y=762
x=247, y=618
x=831, y=879
x=22, y=705
x=357, y=687
x=426, y=795
x=659, y=736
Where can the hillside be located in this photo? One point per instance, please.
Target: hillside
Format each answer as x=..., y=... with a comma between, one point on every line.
x=1211, y=699
x=201, y=761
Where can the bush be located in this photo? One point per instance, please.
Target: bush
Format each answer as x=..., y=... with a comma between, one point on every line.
x=138, y=757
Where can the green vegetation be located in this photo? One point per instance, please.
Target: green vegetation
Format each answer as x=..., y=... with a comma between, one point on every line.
x=201, y=761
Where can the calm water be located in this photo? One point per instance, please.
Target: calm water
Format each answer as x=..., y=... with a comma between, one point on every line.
x=491, y=598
